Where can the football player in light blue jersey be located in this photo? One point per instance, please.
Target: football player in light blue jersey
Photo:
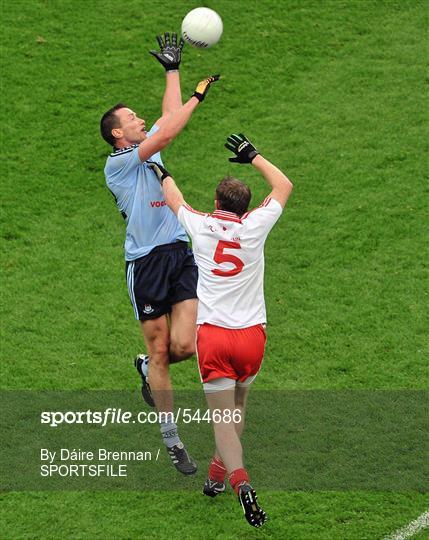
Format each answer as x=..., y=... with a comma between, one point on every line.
x=150, y=223
x=160, y=269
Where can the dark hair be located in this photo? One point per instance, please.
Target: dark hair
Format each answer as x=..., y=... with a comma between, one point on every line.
x=110, y=121
x=233, y=195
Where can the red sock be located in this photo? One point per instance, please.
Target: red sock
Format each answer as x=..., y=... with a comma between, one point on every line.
x=217, y=470
x=238, y=477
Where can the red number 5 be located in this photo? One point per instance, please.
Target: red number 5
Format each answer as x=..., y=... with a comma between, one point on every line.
x=221, y=257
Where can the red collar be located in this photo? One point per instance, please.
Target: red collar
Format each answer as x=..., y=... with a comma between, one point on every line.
x=226, y=216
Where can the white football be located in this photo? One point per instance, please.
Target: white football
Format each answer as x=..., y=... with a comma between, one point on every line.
x=202, y=27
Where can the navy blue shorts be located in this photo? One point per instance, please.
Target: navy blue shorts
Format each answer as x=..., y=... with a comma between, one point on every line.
x=166, y=276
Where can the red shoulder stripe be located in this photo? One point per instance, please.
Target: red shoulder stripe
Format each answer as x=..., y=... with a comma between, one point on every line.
x=264, y=203
x=186, y=205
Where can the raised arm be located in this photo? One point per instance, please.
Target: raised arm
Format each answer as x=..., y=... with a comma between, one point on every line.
x=172, y=194
x=175, y=121
x=170, y=56
x=245, y=152
x=172, y=99
x=279, y=182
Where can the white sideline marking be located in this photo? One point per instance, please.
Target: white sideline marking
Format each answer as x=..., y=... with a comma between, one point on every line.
x=411, y=529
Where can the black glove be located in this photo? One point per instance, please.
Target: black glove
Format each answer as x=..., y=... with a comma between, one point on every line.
x=243, y=149
x=170, y=54
x=203, y=87
x=160, y=171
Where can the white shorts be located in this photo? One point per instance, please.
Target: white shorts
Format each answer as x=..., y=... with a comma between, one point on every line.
x=223, y=383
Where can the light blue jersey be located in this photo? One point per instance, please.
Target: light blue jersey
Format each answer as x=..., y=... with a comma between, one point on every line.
x=139, y=197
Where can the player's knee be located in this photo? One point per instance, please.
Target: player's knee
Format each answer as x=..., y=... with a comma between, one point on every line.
x=182, y=349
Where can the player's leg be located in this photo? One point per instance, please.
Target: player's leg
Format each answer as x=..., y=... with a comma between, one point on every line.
x=219, y=380
x=215, y=482
x=247, y=366
x=156, y=333
x=149, y=282
x=218, y=393
x=247, y=359
x=182, y=330
x=228, y=444
x=157, y=338
x=240, y=397
x=183, y=299
x=237, y=354
x=155, y=285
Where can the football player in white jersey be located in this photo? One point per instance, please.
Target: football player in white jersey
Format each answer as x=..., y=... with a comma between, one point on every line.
x=160, y=269
x=228, y=246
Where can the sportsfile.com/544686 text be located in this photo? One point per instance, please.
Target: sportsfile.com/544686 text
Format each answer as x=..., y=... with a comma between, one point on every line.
x=118, y=416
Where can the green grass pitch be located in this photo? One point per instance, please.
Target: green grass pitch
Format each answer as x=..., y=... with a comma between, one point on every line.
x=333, y=92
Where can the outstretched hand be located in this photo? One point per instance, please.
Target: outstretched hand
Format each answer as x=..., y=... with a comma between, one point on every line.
x=243, y=149
x=160, y=171
x=203, y=87
x=170, y=53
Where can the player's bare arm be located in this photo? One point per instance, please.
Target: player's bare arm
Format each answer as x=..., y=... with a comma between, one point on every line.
x=172, y=99
x=172, y=194
x=245, y=152
x=279, y=182
x=170, y=57
x=175, y=121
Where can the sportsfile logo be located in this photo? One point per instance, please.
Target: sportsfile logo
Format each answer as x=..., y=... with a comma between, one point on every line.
x=113, y=415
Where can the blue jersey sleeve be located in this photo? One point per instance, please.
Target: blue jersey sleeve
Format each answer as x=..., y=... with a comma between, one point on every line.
x=120, y=167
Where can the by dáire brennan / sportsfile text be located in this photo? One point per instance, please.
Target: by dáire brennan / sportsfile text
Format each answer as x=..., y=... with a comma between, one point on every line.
x=62, y=463
x=76, y=462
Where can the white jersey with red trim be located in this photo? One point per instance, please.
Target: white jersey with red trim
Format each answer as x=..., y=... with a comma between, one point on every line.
x=229, y=252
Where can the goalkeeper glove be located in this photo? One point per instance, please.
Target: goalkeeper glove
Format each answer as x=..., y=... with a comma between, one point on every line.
x=203, y=87
x=243, y=149
x=170, y=54
x=160, y=171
